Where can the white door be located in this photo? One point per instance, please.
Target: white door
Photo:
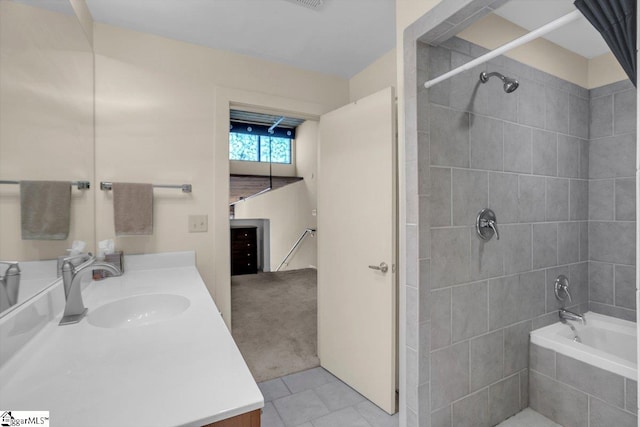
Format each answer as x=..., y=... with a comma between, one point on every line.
x=356, y=230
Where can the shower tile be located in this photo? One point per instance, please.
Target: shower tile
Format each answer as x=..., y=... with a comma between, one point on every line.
x=557, y=110
x=411, y=359
x=625, y=286
x=470, y=195
x=424, y=178
x=612, y=157
x=449, y=137
x=578, y=116
x=524, y=389
x=568, y=242
x=557, y=205
x=503, y=196
x=542, y=360
x=531, y=199
x=578, y=200
x=584, y=241
x=516, y=298
x=603, y=415
x=625, y=199
x=450, y=374
x=601, y=203
x=624, y=112
x=440, y=318
x=469, y=310
x=472, y=411
x=631, y=394
x=545, y=153
x=516, y=347
x=545, y=245
x=412, y=312
x=601, y=123
x=467, y=92
x=440, y=205
x=531, y=104
x=486, y=257
x=557, y=401
x=568, y=156
x=611, y=88
x=486, y=360
x=590, y=379
x=584, y=159
x=612, y=242
x=579, y=282
x=610, y=310
x=450, y=263
x=517, y=148
x=601, y=282
x=504, y=399
x=441, y=418
x=517, y=247
x=552, y=304
x=438, y=62
x=486, y=143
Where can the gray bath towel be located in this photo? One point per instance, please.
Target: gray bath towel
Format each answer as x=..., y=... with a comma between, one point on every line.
x=132, y=208
x=45, y=209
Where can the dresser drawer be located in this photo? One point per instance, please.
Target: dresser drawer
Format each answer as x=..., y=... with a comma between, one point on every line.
x=244, y=250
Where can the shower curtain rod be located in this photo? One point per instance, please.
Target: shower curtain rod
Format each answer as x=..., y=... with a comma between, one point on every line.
x=547, y=28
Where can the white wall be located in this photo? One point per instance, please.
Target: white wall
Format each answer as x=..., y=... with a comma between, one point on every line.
x=162, y=116
x=378, y=75
x=289, y=209
x=46, y=120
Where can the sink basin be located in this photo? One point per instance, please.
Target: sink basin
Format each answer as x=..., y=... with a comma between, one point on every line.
x=138, y=310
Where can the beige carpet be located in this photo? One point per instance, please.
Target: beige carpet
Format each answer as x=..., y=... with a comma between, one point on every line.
x=274, y=321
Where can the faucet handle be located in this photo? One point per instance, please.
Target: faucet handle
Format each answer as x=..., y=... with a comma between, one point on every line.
x=68, y=262
x=561, y=285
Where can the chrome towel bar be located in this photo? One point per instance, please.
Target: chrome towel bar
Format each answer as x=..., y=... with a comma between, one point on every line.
x=186, y=188
x=82, y=185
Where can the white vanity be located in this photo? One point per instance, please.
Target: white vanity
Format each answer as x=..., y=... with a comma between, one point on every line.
x=153, y=350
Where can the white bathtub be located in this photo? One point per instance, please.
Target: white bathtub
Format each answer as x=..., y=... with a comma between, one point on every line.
x=607, y=343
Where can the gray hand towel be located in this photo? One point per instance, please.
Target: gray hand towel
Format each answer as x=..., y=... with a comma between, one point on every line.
x=45, y=209
x=132, y=208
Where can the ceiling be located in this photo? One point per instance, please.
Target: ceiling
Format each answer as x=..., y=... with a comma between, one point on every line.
x=341, y=38
x=578, y=36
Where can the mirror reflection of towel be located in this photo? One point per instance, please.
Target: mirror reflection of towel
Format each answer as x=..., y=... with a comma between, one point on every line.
x=45, y=209
x=132, y=208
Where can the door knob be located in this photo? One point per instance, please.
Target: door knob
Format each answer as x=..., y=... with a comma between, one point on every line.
x=383, y=267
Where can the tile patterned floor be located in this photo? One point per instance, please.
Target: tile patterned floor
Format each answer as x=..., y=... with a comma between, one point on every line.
x=528, y=418
x=315, y=398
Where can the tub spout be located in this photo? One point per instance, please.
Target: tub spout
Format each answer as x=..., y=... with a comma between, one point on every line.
x=570, y=315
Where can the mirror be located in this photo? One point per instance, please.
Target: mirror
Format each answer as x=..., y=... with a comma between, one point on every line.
x=46, y=127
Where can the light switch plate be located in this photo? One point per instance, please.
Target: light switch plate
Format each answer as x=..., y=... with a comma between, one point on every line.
x=198, y=223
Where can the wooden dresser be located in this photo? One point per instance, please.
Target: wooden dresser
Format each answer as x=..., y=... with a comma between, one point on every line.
x=244, y=250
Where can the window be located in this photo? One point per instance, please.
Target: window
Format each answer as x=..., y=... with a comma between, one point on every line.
x=251, y=147
x=257, y=148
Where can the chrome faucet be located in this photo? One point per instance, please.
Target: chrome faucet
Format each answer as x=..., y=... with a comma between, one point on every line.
x=72, y=276
x=570, y=315
x=9, y=285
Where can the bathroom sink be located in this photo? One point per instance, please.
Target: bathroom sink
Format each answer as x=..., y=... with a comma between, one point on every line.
x=138, y=310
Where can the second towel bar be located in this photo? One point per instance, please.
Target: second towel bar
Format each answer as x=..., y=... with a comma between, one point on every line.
x=186, y=188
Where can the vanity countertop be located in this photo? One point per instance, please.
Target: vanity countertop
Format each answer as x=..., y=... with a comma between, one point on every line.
x=183, y=371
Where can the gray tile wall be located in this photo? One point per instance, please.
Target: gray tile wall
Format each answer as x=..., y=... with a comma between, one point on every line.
x=573, y=393
x=612, y=204
x=525, y=155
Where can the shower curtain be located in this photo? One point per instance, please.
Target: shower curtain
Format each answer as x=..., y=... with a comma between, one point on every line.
x=616, y=22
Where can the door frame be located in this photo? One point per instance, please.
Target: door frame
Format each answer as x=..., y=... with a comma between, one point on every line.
x=225, y=98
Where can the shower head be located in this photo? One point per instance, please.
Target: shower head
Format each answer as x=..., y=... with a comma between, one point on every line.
x=509, y=84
